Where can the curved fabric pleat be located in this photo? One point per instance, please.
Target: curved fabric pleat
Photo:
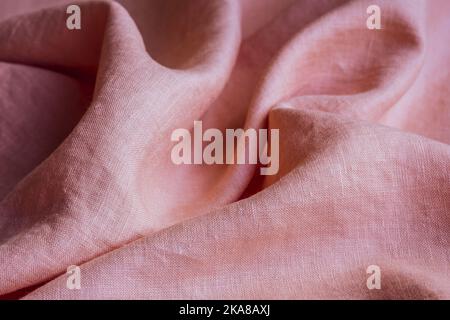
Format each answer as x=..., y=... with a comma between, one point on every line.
x=86, y=176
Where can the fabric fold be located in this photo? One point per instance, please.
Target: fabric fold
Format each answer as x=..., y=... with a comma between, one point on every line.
x=86, y=176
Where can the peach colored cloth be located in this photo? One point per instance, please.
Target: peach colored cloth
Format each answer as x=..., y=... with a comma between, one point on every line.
x=86, y=176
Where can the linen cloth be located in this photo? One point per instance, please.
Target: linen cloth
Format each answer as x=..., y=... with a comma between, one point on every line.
x=85, y=171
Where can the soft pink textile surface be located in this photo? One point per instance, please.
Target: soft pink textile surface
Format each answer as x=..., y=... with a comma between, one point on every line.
x=86, y=176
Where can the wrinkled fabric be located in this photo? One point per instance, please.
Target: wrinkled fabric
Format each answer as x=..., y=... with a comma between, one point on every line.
x=86, y=176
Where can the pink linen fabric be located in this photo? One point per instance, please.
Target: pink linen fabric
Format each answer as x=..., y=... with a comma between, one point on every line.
x=85, y=171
